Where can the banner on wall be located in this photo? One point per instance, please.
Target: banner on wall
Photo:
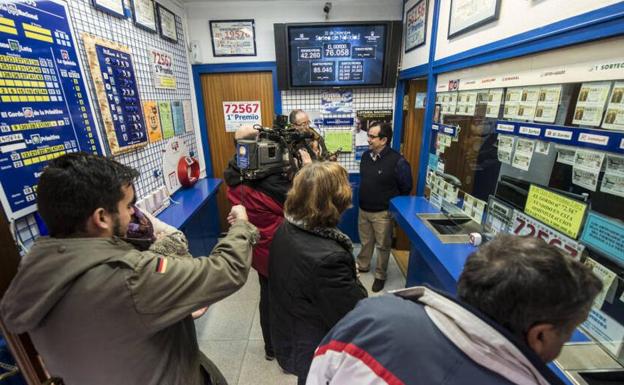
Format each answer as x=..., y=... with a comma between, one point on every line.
x=45, y=105
x=337, y=102
x=162, y=69
x=237, y=114
x=610, y=69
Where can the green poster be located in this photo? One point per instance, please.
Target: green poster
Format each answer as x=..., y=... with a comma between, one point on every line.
x=166, y=120
x=339, y=139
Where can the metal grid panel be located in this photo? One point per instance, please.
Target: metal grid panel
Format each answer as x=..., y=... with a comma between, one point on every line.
x=363, y=99
x=147, y=160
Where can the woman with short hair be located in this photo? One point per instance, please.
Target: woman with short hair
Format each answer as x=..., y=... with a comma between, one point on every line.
x=313, y=277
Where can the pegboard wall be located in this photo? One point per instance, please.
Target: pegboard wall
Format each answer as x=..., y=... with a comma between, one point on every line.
x=147, y=160
x=363, y=99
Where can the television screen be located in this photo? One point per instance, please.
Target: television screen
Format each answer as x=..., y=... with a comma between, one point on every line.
x=337, y=55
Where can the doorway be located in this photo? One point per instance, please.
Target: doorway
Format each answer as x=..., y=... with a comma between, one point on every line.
x=414, y=108
x=217, y=88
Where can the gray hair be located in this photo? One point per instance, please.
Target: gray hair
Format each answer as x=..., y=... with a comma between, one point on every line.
x=520, y=282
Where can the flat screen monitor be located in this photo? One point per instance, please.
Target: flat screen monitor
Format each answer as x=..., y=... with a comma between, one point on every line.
x=325, y=55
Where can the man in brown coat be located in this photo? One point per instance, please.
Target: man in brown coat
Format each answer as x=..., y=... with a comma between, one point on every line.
x=98, y=310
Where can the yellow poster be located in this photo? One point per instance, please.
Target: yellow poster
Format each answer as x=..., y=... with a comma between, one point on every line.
x=561, y=213
x=150, y=110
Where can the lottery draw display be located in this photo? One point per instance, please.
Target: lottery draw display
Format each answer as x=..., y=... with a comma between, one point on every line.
x=117, y=93
x=45, y=108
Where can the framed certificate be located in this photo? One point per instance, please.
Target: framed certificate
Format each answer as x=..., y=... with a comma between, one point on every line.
x=467, y=15
x=167, y=22
x=112, y=7
x=416, y=26
x=233, y=37
x=144, y=14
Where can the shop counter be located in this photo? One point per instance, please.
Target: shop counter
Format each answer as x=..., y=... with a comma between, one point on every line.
x=194, y=211
x=433, y=262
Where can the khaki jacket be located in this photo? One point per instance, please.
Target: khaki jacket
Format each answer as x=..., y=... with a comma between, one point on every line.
x=100, y=312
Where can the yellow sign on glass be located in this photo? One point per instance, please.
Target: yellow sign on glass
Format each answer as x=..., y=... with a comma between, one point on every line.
x=561, y=213
x=339, y=139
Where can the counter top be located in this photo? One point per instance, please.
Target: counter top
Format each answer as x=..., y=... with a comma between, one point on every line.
x=186, y=201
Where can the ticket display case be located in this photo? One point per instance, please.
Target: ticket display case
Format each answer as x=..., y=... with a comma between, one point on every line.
x=535, y=147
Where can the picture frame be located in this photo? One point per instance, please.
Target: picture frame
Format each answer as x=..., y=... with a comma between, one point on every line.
x=112, y=7
x=416, y=25
x=233, y=37
x=144, y=15
x=467, y=15
x=166, y=23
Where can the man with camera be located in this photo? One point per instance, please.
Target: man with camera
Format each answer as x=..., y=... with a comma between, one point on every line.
x=264, y=198
x=315, y=145
x=384, y=174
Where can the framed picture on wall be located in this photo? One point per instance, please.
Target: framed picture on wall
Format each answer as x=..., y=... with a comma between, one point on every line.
x=416, y=26
x=112, y=7
x=144, y=14
x=466, y=15
x=167, y=23
x=233, y=37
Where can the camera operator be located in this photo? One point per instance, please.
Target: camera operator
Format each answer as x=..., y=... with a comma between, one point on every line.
x=300, y=120
x=264, y=200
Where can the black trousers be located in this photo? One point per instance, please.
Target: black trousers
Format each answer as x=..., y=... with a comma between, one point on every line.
x=265, y=323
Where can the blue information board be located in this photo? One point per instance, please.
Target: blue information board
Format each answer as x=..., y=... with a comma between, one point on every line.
x=605, y=235
x=122, y=95
x=337, y=55
x=45, y=108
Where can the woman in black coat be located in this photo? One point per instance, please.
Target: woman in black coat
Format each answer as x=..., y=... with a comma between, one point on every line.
x=313, y=277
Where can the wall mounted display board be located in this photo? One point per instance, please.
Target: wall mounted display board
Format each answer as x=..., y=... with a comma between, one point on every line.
x=167, y=24
x=604, y=140
x=144, y=14
x=233, y=37
x=117, y=92
x=112, y=7
x=416, y=26
x=467, y=15
x=162, y=69
x=45, y=105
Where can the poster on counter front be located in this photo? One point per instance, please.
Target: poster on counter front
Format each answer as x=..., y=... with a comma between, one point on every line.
x=591, y=103
x=233, y=37
x=46, y=109
x=416, y=25
x=162, y=69
x=614, y=117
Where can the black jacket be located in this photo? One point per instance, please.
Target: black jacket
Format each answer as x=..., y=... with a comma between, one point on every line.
x=313, y=285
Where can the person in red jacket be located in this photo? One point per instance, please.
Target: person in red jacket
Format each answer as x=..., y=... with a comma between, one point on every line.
x=264, y=201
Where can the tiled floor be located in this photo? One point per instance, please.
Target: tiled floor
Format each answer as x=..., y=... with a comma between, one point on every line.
x=229, y=333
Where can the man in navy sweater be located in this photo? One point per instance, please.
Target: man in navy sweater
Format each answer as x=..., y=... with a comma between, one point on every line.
x=384, y=174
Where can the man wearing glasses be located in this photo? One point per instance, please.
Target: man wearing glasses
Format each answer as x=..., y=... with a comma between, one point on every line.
x=384, y=174
x=300, y=120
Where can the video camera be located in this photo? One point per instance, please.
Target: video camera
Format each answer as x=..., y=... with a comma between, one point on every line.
x=275, y=150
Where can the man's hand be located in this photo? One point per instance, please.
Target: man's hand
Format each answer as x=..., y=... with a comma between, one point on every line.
x=246, y=132
x=305, y=157
x=237, y=212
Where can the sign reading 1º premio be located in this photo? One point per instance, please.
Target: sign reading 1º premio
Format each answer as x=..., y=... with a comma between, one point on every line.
x=45, y=110
x=239, y=114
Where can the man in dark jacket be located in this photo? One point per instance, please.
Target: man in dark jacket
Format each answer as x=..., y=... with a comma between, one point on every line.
x=384, y=174
x=519, y=302
x=98, y=310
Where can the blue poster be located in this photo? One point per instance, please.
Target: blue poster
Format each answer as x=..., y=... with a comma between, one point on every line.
x=605, y=235
x=178, y=117
x=45, y=106
x=337, y=102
